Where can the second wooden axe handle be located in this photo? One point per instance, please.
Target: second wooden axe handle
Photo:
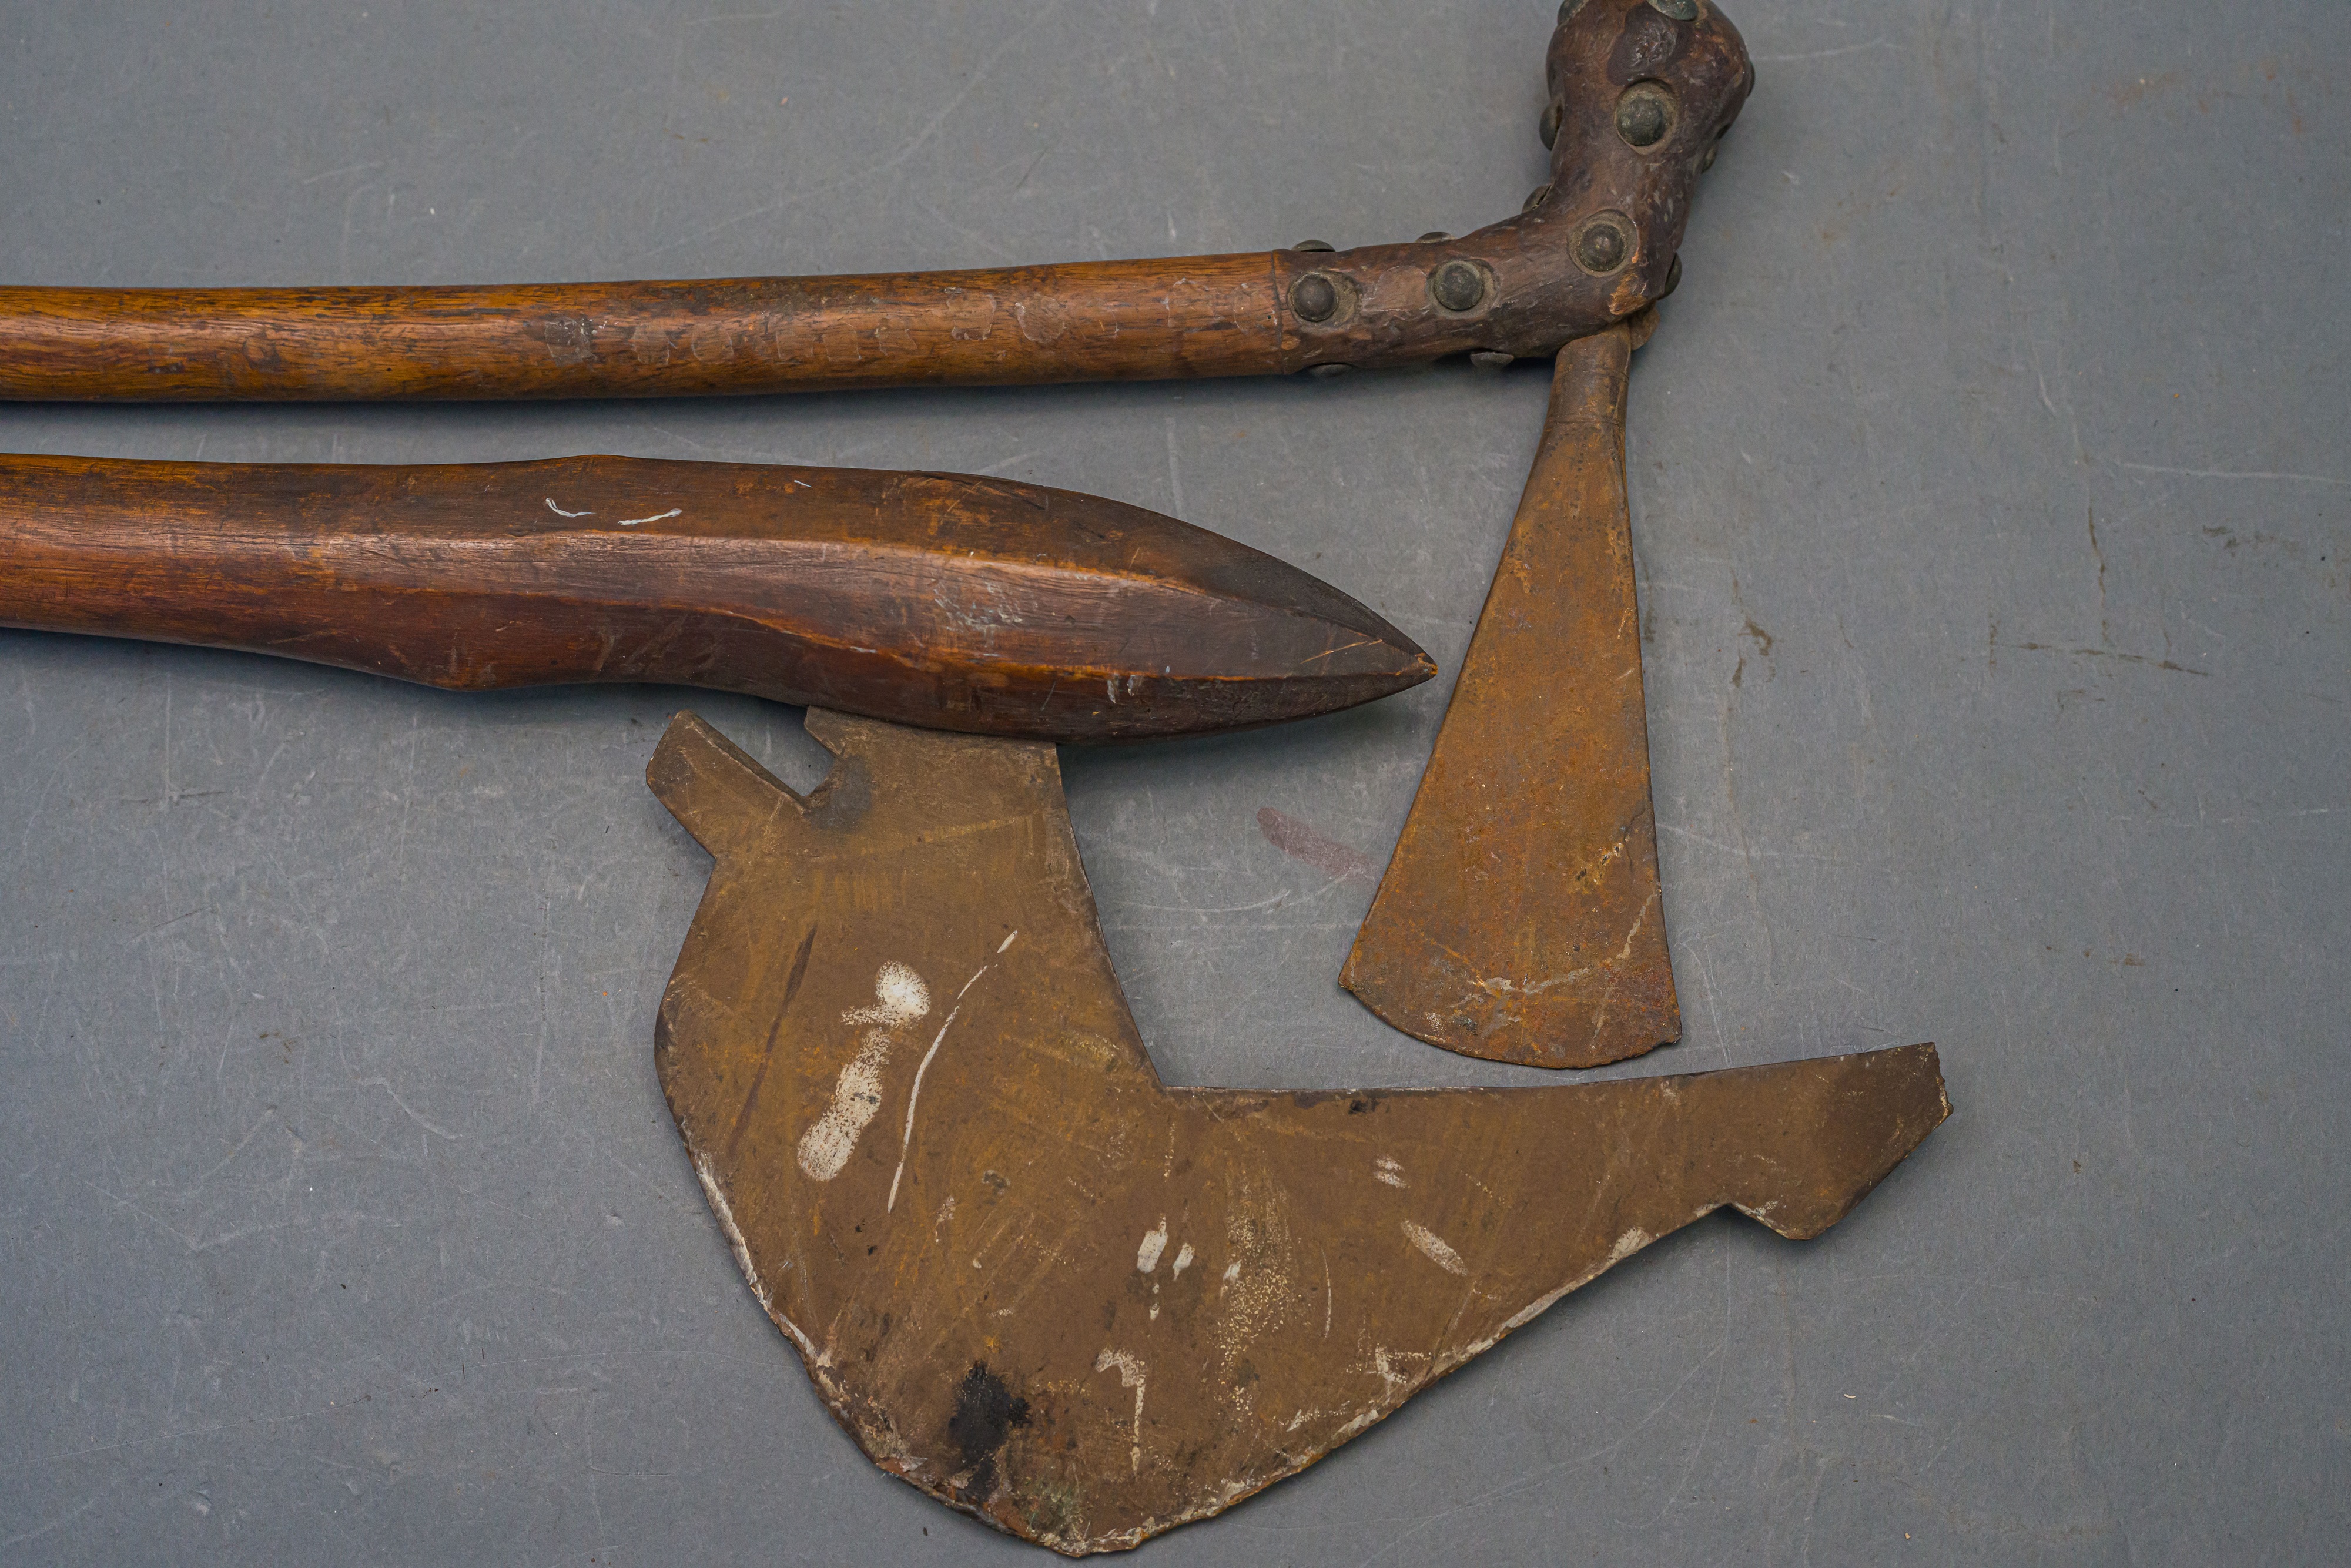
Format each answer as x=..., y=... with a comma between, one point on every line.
x=937, y=599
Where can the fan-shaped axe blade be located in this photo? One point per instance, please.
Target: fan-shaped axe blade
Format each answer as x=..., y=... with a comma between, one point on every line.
x=1521, y=917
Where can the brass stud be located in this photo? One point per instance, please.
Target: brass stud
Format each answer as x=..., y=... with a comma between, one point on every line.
x=1314, y=298
x=1645, y=114
x=1457, y=286
x=1603, y=246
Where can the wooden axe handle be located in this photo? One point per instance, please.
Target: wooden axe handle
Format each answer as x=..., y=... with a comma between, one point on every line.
x=1211, y=315
x=1639, y=92
x=935, y=600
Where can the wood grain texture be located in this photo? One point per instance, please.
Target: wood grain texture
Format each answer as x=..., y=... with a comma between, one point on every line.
x=1119, y=320
x=934, y=599
x=1521, y=917
x=1213, y=316
x=1049, y=1290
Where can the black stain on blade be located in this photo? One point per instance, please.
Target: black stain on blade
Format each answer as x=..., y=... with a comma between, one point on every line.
x=986, y=1412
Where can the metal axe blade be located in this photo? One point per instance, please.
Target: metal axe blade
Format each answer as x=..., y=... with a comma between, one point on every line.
x=1521, y=917
x=1044, y=1287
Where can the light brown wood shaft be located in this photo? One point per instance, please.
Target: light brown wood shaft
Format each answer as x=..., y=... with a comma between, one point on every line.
x=1185, y=317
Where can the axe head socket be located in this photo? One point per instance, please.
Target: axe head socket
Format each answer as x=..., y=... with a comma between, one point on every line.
x=1640, y=93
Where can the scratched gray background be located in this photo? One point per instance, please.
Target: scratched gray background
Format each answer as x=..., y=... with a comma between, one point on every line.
x=1992, y=498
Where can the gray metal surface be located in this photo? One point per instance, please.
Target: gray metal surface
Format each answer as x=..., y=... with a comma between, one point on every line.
x=1992, y=491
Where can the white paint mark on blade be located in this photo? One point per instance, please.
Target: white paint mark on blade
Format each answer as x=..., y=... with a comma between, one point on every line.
x=914, y=1095
x=906, y=1140
x=1182, y=1259
x=1155, y=1242
x=900, y=997
x=1434, y=1247
x=1387, y=1170
x=826, y=1146
x=1390, y=1366
x=561, y=513
x=656, y=518
x=1132, y=1374
x=1008, y=942
x=1632, y=1242
x=1232, y=1271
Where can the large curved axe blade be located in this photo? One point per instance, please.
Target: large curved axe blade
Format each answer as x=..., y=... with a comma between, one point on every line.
x=1051, y=1291
x=1521, y=917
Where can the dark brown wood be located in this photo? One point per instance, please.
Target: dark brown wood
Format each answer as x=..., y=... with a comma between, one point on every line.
x=1525, y=290
x=1051, y=1291
x=934, y=599
x=1539, y=295
x=1521, y=918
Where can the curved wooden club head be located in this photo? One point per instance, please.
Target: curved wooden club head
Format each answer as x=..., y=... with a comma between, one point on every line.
x=1521, y=917
x=1051, y=1291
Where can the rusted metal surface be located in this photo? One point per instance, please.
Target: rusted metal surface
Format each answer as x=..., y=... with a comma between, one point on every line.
x=967, y=603
x=1638, y=94
x=1521, y=917
x=1051, y=1291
